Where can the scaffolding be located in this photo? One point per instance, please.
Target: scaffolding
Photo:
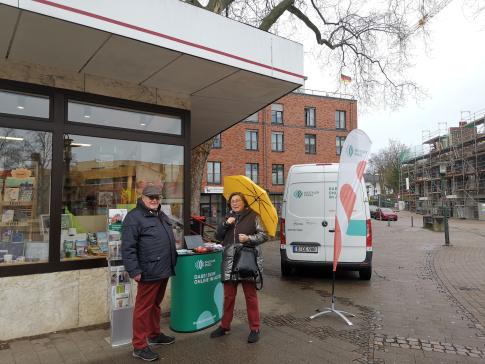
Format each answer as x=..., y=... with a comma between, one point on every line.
x=447, y=170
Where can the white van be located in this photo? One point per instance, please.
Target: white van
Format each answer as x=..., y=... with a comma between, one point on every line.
x=308, y=222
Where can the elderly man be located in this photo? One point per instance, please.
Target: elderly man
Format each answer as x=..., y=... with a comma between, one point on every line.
x=149, y=256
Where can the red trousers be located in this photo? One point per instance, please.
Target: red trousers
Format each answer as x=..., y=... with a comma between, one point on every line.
x=146, y=316
x=252, y=305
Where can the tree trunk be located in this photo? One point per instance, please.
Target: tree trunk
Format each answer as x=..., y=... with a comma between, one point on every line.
x=197, y=167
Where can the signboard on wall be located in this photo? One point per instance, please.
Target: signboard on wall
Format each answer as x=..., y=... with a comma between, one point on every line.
x=213, y=189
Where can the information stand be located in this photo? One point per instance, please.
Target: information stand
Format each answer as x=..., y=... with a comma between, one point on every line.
x=120, y=291
x=196, y=292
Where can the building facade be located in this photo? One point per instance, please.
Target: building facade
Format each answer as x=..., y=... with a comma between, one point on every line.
x=447, y=173
x=301, y=127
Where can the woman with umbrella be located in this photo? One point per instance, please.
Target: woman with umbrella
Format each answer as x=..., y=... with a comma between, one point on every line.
x=241, y=226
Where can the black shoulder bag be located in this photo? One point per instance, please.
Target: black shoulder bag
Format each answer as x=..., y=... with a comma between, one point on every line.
x=245, y=265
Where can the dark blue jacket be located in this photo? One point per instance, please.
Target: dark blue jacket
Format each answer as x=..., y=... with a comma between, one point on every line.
x=148, y=244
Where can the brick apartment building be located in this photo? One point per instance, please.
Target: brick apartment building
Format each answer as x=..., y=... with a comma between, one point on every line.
x=301, y=127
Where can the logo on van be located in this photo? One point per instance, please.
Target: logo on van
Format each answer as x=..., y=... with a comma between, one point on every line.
x=300, y=193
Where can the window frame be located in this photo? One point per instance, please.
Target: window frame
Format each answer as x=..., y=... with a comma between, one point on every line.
x=58, y=125
x=214, y=163
x=277, y=116
x=276, y=169
x=250, y=133
x=307, y=124
x=218, y=138
x=251, y=165
x=339, y=143
x=338, y=119
x=277, y=146
x=308, y=144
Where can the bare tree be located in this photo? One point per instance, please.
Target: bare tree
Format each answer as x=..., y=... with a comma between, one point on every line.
x=368, y=41
x=386, y=164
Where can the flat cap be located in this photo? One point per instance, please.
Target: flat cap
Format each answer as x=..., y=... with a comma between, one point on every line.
x=152, y=191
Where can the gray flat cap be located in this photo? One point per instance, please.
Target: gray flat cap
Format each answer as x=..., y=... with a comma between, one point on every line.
x=152, y=191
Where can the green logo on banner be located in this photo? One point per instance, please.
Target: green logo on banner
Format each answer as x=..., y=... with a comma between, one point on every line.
x=350, y=151
x=199, y=264
x=298, y=193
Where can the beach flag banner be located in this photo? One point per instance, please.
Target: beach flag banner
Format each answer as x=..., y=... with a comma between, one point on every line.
x=353, y=160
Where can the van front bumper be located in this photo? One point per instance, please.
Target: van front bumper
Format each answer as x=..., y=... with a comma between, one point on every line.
x=367, y=263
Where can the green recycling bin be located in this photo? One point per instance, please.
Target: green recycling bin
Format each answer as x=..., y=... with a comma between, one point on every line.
x=197, y=292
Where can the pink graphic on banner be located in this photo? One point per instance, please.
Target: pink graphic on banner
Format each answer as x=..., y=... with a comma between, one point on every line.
x=351, y=170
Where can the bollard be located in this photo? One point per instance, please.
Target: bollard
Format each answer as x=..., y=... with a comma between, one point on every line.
x=412, y=222
x=388, y=222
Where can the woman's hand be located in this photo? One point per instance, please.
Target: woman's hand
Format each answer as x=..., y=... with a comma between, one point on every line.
x=231, y=220
x=243, y=238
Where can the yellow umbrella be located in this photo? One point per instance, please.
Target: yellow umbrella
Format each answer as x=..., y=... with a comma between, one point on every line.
x=257, y=198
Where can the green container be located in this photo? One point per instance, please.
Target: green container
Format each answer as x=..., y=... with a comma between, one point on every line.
x=197, y=292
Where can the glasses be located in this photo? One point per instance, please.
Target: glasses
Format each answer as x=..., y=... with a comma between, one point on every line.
x=153, y=197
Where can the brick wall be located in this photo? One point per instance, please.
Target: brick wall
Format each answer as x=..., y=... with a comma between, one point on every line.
x=233, y=155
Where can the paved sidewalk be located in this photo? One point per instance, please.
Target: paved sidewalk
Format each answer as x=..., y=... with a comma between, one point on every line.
x=424, y=304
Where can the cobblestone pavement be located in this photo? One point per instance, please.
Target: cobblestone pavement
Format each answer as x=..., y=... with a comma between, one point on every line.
x=424, y=304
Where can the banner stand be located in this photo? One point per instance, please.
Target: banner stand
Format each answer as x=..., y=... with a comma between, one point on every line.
x=332, y=309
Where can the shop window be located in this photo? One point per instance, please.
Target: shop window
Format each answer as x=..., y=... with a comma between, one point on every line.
x=252, y=171
x=23, y=104
x=277, y=141
x=340, y=143
x=214, y=172
x=277, y=175
x=340, y=122
x=25, y=187
x=310, y=144
x=310, y=117
x=102, y=180
x=251, y=139
x=120, y=118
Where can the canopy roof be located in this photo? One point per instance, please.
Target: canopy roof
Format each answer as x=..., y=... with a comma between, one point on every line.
x=227, y=70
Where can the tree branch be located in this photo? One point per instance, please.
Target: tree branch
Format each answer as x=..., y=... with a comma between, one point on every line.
x=275, y=14
x=195, y=3
x=218, y=6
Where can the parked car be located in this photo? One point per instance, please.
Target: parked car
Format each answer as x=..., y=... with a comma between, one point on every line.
x=373, y=209
x=385, y=214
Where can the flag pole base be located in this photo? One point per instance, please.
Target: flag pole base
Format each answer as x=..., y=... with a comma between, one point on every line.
x=337, y=312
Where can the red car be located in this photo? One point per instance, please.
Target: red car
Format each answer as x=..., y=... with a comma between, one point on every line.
x=385, y=214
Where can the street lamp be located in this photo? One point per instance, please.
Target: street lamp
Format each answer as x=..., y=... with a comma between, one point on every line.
x=444, y=203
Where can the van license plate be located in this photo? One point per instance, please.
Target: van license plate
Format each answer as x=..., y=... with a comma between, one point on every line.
x=305, y=249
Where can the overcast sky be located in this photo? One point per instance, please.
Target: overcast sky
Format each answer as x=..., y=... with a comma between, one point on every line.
x=452, y=73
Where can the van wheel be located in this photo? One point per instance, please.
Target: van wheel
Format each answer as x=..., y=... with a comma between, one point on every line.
x=365, y=274
x=285, y=269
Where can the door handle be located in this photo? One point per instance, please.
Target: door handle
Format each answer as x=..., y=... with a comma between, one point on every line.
x=331, y=231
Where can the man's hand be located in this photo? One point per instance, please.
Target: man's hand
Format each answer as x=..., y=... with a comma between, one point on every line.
x=137, y=278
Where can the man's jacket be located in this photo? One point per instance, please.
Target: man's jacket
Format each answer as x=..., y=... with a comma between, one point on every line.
x=148, y=244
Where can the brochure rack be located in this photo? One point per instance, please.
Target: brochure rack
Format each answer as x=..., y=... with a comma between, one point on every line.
x=120, y=287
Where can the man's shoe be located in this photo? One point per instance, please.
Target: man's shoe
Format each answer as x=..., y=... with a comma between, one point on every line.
x=253, y=337
x=220, y=331
x=161, y=339
x=145, y=354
